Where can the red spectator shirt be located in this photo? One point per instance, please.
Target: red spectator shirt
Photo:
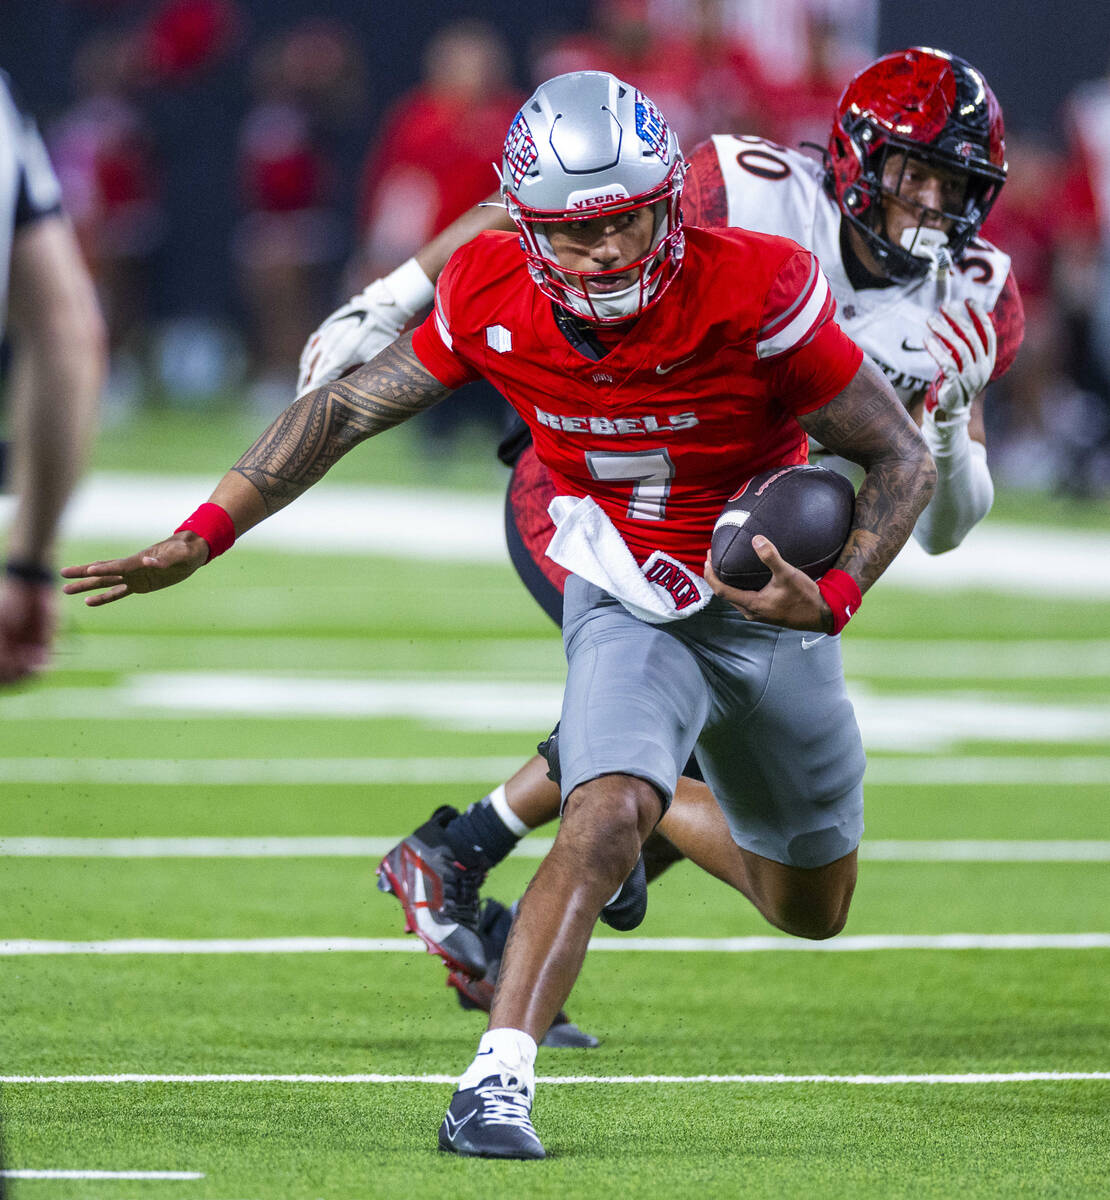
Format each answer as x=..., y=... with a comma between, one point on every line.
x=699, y=394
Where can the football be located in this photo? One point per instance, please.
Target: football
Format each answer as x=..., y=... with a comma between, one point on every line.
x=806, y=511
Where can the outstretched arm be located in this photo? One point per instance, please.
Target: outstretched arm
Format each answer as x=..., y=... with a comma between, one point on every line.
x=298, y=449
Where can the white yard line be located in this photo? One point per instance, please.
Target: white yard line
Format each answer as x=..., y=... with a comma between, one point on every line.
x=926, y=771
x=423, y=524
x=76, y=1174
x=894, y=658
x=685, y=945
x=532, y=847
x=234, y=771
x=857, y=1080
x=904, y=722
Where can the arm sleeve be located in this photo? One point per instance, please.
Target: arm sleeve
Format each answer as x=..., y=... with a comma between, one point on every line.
x=433, y=342
x=964, y=492
x=810, y=358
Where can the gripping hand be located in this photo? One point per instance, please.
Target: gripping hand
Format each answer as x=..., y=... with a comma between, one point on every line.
x=365, y=325
x=962, y=340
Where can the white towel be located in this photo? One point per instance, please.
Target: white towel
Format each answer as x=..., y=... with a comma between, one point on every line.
x=587, y=543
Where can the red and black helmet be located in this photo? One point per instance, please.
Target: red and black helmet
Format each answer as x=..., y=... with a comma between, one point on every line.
x=928, y=105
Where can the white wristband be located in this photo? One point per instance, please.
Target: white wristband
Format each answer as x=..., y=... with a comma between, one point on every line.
x=410, y=287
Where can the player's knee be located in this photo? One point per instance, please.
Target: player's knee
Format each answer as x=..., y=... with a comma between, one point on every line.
x=816, y=922
x=610, y=817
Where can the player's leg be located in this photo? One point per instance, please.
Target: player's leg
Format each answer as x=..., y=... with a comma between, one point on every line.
x=494, y=923
x=789, y=779
x=695, y=828
x=438, y=890
x=532, y=796
x=634, y=701
x=604, y=825
x=808, y=902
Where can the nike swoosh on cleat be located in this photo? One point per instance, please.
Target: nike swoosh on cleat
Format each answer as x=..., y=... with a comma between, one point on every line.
x=424, y=914
x=454, y=1124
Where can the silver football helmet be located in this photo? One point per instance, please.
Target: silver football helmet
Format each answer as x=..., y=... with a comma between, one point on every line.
x=587, y=145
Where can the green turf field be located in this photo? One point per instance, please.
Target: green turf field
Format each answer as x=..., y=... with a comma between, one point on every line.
x=287, y=696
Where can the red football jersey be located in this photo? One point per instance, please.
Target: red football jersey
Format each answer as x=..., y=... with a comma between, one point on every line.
x=698, y=395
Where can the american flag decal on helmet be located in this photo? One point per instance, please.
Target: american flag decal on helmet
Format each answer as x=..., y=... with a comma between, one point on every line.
x=651, y=126
x=520, y=149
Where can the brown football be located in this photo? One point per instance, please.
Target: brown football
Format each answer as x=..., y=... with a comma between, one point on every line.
x=805, y=510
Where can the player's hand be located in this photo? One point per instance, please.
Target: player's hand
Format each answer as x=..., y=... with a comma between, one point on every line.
x=789, y=599
x=156, y=567
x=28, y=616
x=352, y=335
x=963, y=341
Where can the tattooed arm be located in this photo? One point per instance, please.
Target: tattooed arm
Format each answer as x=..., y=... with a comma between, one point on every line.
x=314, y=432
x=298, y=449
x=867, y=424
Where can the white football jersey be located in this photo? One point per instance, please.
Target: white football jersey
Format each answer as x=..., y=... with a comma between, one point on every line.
x=774, y=190
x=28, y=186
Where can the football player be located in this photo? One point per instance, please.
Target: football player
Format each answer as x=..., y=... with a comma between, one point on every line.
x=655, y=366
x=59, y=358
x=915, y=159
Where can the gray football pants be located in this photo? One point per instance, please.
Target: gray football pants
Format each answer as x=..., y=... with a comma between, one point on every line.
x=764, y=709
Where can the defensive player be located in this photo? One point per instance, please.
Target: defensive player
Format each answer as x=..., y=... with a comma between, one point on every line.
x=914, y=161
x=655, y=367
x=59, y=352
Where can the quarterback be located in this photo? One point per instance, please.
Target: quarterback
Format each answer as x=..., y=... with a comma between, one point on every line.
x=657, y=369
x=914, y=160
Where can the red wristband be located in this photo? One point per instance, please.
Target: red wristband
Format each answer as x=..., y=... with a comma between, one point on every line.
x=214, y=525
x=841, y=593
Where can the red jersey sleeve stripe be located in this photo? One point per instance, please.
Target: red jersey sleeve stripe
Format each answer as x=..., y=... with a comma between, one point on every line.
x=799, y=329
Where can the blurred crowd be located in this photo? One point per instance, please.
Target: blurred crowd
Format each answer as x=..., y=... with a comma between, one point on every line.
x=307, y=233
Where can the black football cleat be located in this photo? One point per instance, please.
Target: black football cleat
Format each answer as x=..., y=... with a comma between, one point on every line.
x=439, y=895
x=492, y=1120
x=629, y=907
x=493, y=928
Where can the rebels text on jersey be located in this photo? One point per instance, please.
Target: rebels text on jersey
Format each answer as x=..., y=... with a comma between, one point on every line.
x=756, y=184
x=699, y=394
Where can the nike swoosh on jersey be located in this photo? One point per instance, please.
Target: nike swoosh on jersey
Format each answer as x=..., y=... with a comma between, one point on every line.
x=808, y=645
x=911, y=349
x=662, y=370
